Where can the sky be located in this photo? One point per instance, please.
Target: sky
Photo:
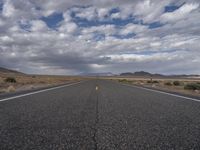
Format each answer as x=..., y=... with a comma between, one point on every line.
x=71, y=37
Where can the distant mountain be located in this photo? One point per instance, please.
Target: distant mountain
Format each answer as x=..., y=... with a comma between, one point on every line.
x=98, y=74
x=147, y=74
x=5, y=70
x=127, y=74
x=140, y=73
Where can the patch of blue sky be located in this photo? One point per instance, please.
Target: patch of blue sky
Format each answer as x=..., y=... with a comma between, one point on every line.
x=173, y=7
x=155, y=25
x=53, y=20
x=82, y=22
x=114, y=10
x=127, y=36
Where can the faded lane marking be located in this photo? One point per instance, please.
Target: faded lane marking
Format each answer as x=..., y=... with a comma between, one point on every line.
x=45, y=90
x=162, y=92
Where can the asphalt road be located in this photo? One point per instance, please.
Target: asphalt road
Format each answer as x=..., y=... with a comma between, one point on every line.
x=110, y=117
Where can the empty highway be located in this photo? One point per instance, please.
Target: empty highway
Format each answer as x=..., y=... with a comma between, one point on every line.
x=99, y=115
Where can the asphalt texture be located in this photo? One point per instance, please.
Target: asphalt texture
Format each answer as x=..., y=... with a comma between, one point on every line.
x=110, y=117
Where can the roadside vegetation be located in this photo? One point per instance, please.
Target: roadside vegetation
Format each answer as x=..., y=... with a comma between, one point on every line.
x=124, y=81
x=168, y=83
x=152, y=81
x=192, y=86
x=20, y=82
x=177, y=83
x=10, y=80
x=185, y=86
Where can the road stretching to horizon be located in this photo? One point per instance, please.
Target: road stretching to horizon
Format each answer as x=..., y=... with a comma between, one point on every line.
x=99, y=115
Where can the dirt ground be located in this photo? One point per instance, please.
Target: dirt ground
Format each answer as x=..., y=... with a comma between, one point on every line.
x=27, y=82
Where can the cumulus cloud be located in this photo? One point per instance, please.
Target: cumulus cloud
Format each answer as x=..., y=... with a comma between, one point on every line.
x=38, y=26
x=100, y=36
x=87, y=13
x=149, y=10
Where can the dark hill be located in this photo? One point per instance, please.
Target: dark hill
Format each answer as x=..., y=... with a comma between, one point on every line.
x=5, y=70
x=127, y=74
x=142, y=73
x=139, y=73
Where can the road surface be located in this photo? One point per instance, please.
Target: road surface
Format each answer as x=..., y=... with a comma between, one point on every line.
x=99, y=115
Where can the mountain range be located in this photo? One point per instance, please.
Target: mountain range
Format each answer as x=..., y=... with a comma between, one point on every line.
x=147, y=74
x=97, y=74
x=125, y=74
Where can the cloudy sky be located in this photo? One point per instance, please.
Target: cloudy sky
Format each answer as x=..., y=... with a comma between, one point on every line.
x=82, y=36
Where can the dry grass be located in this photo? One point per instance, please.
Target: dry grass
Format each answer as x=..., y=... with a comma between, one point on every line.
x=11, y=89
x=26, y=82
x=166, y=84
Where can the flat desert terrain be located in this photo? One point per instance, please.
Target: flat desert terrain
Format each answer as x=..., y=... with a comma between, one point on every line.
x=12, y=82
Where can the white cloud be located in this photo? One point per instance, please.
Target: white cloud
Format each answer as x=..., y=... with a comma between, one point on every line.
x=87, y=13
x=104, y=29
x=102, y=12
x=116, y=16
x=149, y=10
x=6, y=40
x=38, y=26
x=127, y=58
x=68, y=27
x=92, y=13
x=132, y=28
x=8, y=9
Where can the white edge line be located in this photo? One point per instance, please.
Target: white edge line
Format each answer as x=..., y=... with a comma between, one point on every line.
x=31, y=93
x=175, y=95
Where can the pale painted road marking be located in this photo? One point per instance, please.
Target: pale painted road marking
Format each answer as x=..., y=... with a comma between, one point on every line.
x=162, y=92
x=36, y=92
